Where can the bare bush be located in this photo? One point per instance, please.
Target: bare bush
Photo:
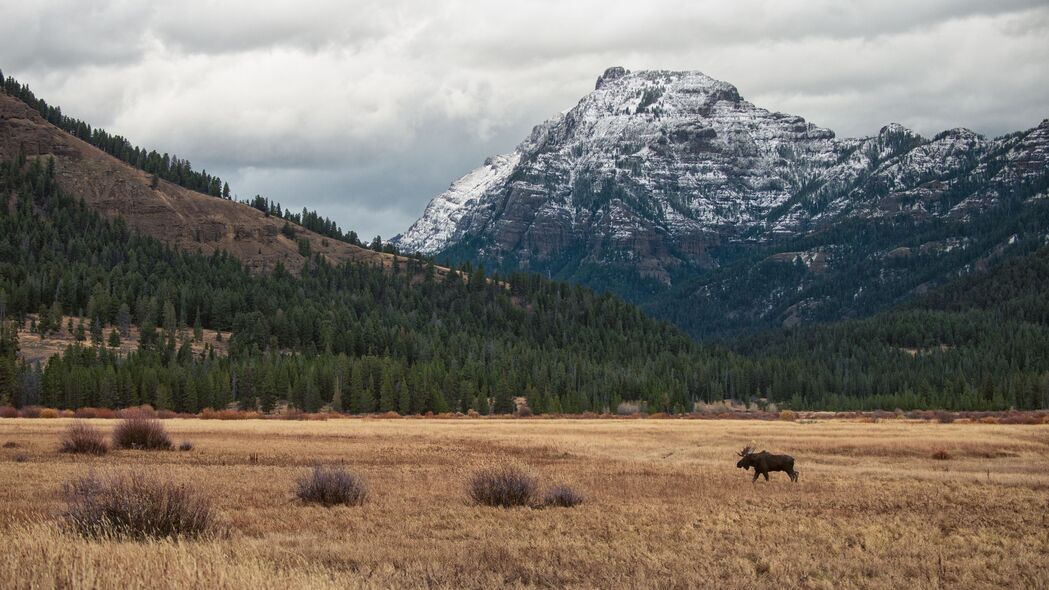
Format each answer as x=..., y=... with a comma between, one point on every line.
x=83, y=438
x=562, y=496
x=186, y=445
x=30, y=412
x=504, y=486
x=141, y=433
x=628, y=409
x=136, y=506
x=331, y=486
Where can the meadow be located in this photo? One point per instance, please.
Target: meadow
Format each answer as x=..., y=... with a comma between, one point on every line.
x=892, y=504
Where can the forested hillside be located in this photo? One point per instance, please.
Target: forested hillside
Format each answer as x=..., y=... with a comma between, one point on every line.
x=980, y=341
x=363, y=331
x=405, y=340
x=368, y=339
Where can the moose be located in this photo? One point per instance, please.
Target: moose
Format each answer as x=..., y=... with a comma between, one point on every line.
x=764, y=462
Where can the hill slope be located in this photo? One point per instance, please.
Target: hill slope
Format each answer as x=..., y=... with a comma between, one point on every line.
x=181, y=217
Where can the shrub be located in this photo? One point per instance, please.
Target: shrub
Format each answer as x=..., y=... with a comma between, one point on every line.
x=185, y=446
x=48, y=413
x=141, y=433
x=331, y=486
x=85, y=413
x=166, y=414
x=30, y=412
x=505, y=486
x=8, y=412
x=628, y=409
x=67, y=414
x=136, y=506
x=20, y=458
x=941, y=455
x=944, y=417
x=524, y=411
x=562, y=496
x=143, y=411
x=82, y=438
x=788, y=415
x=105, y=413
x=10, y=445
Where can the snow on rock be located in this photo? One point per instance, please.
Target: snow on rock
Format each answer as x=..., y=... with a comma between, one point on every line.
x=657, y=167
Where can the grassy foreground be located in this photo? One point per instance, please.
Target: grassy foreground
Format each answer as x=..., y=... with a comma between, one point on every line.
x=665, y=507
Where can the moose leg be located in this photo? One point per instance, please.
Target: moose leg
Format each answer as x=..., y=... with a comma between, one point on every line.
x=766, y=474
x=756, y=474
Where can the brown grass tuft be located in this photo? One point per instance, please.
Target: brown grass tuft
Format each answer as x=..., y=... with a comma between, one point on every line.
x=506, y=486
x=136, y=506
x=562, y=496
x=941, y=455
x=331, y=486
x=82, y=438
x=141, y=433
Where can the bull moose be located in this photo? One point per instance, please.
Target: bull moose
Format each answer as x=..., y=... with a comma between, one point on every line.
x=764, y=462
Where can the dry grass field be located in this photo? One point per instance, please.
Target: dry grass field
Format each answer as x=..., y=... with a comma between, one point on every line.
x=665, y=508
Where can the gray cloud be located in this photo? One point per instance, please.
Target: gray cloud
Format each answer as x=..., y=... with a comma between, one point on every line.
x=364, y=110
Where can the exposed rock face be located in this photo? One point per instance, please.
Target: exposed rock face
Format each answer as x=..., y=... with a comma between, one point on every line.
x=659, y=173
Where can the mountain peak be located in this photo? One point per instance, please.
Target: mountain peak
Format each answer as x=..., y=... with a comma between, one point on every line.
x=610, y=74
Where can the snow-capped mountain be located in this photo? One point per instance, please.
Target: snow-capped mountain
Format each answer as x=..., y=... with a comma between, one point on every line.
x=662, y=175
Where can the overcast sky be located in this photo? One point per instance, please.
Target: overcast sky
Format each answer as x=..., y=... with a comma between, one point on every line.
x=366, y=109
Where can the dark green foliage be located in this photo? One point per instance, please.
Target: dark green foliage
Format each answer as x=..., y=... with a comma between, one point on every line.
x=407, y=342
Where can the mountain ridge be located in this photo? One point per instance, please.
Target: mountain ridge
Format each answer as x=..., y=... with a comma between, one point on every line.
x=180, y=216
x=657, y=177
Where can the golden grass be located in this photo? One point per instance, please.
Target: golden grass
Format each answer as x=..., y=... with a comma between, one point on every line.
x=665, y=507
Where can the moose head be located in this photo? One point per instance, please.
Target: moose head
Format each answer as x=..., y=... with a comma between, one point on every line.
x=745, y=458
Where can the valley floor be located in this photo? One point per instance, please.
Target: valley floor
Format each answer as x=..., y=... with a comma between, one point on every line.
x=665, y=508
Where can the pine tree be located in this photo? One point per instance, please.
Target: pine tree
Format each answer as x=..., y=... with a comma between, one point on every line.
x=504, y=402
x=114, y=338
x=163, y=397
x=387, y=392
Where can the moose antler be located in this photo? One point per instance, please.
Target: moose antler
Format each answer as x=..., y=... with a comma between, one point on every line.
x=746, y=451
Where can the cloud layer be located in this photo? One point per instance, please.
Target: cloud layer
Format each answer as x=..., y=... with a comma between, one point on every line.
x=365, y=110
